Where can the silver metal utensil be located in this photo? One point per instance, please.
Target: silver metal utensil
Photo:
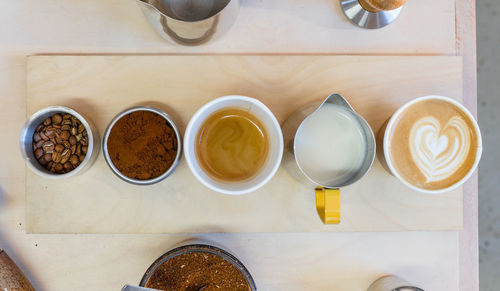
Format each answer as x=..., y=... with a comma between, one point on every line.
x=363, y=18
x=190, y=22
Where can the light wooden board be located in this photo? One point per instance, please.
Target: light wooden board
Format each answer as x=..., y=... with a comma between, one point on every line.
x=102, y=86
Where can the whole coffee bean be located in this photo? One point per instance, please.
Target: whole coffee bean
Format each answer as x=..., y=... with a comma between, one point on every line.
x=37, y=137
x=48, y=147
x=56, y=157
x=66, y=127
x=59, y=168
x=65, y=156
x=59, y=147
x=43, y=136
x=47, y=157
x=74, y=160
x=65, y=135
x=84, y=149
x=50, y=132
x=81, y=128
x=40, y=143
x=42, y=161
x=81, y=157
x=38, y=128
x=38, y=153
x=56, y=118
x=79, y=149
x=68, y=167
x=84, y=141
x=47, y=121
x=66, y=116
x=72, y=139
x=73, y=149
x=67, y=122
x=66, y=144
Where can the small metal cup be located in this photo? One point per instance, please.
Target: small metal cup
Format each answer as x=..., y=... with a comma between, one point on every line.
x=26, y=142
x=190, y=22
x=117, y=172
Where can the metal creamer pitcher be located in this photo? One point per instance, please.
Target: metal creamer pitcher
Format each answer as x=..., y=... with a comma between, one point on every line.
x=190, y=22
x=306, y=152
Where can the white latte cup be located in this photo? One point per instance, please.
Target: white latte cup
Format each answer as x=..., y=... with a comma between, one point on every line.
x=434, y=140
x=273, y=130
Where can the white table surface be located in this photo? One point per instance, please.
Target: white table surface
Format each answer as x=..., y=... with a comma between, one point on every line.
x=310, y=261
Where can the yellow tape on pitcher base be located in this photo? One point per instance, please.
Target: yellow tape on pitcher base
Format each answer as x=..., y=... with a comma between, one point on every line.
x=328, y=205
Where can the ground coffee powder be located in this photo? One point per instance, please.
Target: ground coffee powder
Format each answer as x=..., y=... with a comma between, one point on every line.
x=196, y=271
x=142, y=145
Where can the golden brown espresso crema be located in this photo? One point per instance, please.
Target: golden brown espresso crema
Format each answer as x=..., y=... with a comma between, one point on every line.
x=232, y=145
x=433, y=144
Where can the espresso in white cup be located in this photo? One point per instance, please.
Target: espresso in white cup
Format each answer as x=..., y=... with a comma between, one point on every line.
x=215, y=176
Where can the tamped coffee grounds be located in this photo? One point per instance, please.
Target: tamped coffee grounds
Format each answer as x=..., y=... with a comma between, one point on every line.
x=197, y=270
x=142, y=145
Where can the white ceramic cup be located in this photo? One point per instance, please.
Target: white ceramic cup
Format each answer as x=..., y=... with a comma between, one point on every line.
x=273, y=129
x=392, y=283
x=386, y=139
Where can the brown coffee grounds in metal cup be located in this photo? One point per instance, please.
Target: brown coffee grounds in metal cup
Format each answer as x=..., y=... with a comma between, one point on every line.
x=142, y=145
x=197, y=271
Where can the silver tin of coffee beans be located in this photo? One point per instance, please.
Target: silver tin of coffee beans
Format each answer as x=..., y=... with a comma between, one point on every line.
x=27, y=140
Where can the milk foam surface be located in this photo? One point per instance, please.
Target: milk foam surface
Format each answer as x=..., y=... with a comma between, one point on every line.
x=330, y=145
x=439, y=151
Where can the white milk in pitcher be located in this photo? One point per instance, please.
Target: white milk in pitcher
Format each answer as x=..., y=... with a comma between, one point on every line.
x=330, y=145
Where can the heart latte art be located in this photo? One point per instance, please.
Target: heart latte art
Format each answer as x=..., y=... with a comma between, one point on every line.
x=434, y=144
x=439, y=151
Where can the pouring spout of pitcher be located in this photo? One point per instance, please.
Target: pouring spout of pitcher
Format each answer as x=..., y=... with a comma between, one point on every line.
x=337, y=99
x=149, y=5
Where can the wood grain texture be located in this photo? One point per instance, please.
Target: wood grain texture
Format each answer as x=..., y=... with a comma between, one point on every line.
x=106, y=262
x=102, y=86
x=278, y=261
